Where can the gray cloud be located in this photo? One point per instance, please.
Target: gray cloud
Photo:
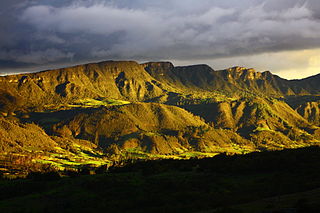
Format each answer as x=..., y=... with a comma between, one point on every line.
x=37, y=56
x=75, y=31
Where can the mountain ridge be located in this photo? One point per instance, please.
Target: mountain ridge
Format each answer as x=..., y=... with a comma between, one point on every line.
x=170, y=64
x=122, y=109
x=128, y=80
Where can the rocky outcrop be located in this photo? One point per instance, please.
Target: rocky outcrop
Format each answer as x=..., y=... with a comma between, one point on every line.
x=310, y=111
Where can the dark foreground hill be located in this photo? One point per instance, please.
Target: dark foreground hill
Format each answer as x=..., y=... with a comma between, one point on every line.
x=111, y=111
x=282, y=181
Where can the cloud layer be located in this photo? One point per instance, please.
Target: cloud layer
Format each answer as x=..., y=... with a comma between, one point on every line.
x=40, y=32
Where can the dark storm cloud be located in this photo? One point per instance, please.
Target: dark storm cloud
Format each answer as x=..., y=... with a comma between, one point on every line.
x=42, y=32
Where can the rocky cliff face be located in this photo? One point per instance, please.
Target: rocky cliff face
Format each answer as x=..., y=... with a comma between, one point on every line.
x=310, y=111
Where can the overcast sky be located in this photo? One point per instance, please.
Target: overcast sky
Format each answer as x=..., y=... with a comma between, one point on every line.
x=282, y=36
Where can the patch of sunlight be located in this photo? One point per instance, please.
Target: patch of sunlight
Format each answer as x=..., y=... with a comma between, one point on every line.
x=84, y=103
x=151, y=134
x=100, y=102
x=197, y=154
x=260, y=129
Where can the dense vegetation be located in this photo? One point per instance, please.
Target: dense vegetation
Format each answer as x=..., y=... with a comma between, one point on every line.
x=277, y=181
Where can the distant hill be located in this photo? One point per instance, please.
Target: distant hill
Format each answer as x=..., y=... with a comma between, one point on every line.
x=231, y=80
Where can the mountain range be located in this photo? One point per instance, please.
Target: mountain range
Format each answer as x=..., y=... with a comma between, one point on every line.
x=97, y=113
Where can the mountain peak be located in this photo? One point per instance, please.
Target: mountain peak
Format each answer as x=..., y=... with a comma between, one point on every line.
x=158, y=68
x=243, y=73
x=240, y=69
x=158, y=64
